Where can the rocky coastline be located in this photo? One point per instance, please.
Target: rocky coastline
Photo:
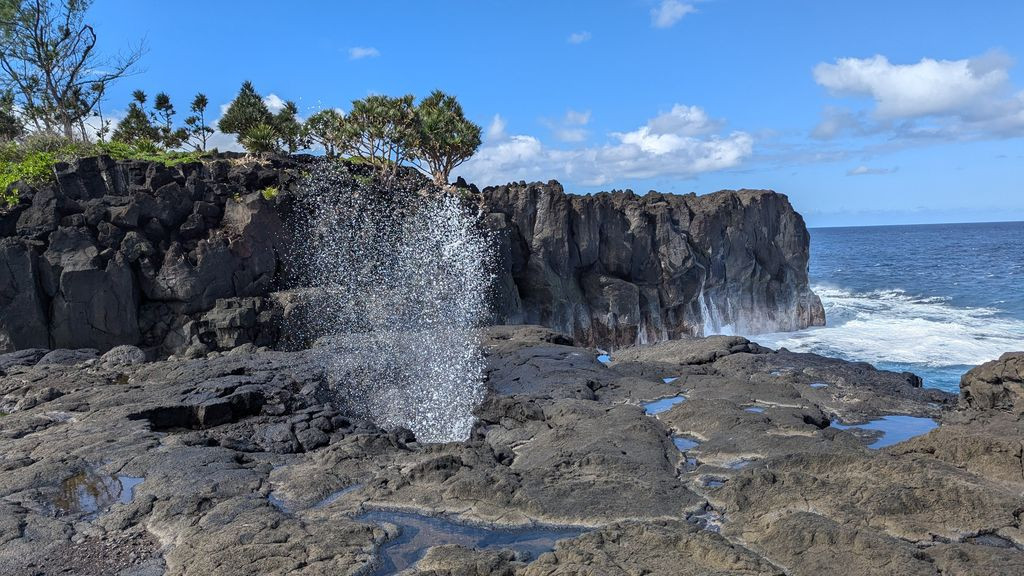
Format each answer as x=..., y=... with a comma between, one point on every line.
x=195, y=258
x=238, y=463
x=157, y=417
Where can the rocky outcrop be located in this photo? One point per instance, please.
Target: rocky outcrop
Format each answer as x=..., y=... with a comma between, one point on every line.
x=617, y=269
x=998, y=385
x=245, y=463
x=193, y=258
x=142, y=254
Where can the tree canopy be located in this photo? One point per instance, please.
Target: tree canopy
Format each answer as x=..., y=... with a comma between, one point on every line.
x=49, y=61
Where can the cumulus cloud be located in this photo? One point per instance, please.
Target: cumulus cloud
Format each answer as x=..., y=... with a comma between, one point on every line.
x=578, y=37
x=965, y=98
x=863, y=170
x=669, y=150
x=572, y=127
x=496, y=131
x=926, y=88
x=360, y=52
x=669, y=12
x=274, y=103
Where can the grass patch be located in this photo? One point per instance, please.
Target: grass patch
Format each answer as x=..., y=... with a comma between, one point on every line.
x=146, y=152
x=35, y=169
x=31, y=160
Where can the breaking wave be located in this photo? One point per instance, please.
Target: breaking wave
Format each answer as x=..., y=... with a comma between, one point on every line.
x=896, y=330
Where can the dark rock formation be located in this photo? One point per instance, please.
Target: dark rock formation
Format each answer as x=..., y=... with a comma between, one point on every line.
x=141, y=254
x=617, y=269
x=998, y=384
x=192, y=258
x=241, y=463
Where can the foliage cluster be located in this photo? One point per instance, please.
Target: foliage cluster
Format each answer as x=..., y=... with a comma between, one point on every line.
x=53, y=81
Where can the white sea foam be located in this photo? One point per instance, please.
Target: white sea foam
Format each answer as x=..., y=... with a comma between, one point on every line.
x=890, y=326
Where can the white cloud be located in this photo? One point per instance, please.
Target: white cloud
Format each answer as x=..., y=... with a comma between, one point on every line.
x=687, y=120
x=930, y=87
x=360, y=52
x=577, y=118
x=274, y=103
x=949, y=99
x=496, y=131
x=863, y=170
x=578, y=37
x=571, y=128
x=635, y=155
x=669, y=12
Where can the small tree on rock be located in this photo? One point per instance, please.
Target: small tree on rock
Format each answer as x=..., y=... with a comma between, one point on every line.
x=382, y=131
x=445, y=137
x=257, y=128
x=198, y=133
x=288, y=129
x=163, y=116
x=136, y=127
x=260, y=139
x=245, y=113
x=325, y=129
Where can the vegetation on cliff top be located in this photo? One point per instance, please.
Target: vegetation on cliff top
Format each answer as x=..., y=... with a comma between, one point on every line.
x=53, y=82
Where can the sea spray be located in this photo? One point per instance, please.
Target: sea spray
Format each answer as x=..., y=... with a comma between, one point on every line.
x=399, y=284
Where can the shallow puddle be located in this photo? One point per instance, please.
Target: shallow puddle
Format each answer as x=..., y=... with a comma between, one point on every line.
x=605, y=359
x=684, y=443
x=894, y=428
x=662, y=404
x=669, y=380
x=817, y=385
x=713, y=482
x=90, y=493
x=419, y=533
x=710, y=520
x=754, y=409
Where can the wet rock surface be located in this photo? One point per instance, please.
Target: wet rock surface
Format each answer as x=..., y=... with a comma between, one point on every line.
x=242, y=463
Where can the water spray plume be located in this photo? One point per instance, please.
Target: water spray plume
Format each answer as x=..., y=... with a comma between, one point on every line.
x=399, y=286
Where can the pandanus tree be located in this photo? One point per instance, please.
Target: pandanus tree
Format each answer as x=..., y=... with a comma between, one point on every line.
x=381, y=131
x=445, y=138
x=324, y=129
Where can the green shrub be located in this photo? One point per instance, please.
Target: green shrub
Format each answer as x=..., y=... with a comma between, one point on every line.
x=35, y=169
x=147, y=151
x=270, y=192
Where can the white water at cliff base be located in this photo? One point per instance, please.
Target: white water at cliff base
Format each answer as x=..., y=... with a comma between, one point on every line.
x=895, y=331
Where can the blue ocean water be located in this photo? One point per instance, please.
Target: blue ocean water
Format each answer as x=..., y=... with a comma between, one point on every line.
x=932, y=299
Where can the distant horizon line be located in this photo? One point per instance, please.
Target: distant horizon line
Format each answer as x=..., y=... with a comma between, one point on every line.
x=918, y=224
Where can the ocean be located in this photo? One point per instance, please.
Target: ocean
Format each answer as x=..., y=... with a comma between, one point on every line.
x=935, y=300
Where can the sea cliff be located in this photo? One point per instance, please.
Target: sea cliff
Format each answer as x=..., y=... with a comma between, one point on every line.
x=195, y=257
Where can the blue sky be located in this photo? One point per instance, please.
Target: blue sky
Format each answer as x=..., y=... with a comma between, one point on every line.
x=867, y=112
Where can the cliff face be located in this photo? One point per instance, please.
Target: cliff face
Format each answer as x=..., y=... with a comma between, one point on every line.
x=617, y=269
x=139, y=253
x=193, y=258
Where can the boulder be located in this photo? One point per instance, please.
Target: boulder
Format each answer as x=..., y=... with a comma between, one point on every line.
x=123, y=355
x=995, y=385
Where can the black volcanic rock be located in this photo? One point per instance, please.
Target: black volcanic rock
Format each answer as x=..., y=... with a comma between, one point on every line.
x=138, y=253
x=240, y=463
x=998, y=384
x=617, y=269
